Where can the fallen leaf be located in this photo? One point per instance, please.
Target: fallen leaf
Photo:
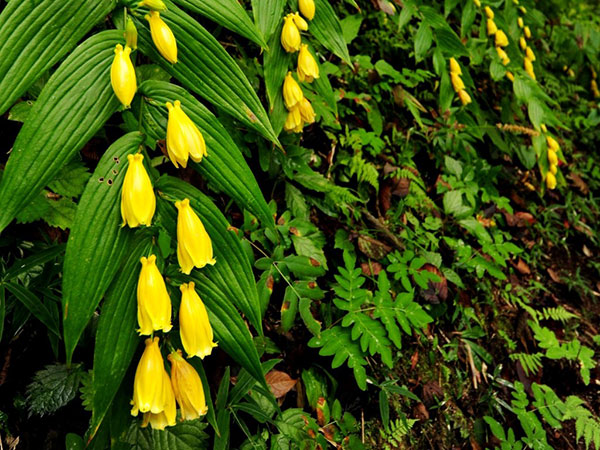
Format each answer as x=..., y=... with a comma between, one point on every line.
x=370, y=269
x=519, y=219
x=279, y=382
x=373, y=248
x=553, y=275
x=522, y=267
x=579, y=183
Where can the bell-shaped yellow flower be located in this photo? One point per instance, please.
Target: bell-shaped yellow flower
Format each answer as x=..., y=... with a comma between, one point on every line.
x=293, y=121
x=183, y=137
x=522, y=43
x=554, y=169
x=307, y=8
x=488, y=12
x=194, y=326
x=552, y=144
x=455, y=67
x=194, y=247
x=464, y=97
x=550, y=180
x=527, y=32
x=528, y=66
x=552, y=157
x=529, y=53
x=300, y=22
x=477, y=3
x=162, y=36
x=491, y=27
x=290, y=35
x=156, y=5
x=501, y=39
x=188, y=387
x=131, y=34
x=168, y=416
x=502, y=55
x=153, y=301
x=122, y=75
x=137, y=195
x=457, y=82
x=292, y=93
x=148, y=385
x=510, y=76
x=308, y=69
x=544, y=128
x=520, y=22
x=523, y=9
x=307, y=113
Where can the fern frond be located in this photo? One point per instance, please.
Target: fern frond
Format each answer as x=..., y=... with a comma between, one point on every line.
x=558, y=313
x=531, y=363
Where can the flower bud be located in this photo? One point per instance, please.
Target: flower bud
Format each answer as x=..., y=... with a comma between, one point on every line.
x=162, y=36
x=194, y=247
x=553, y=169
x=529, y=53
x=137, y=195
x=544, y=128
x=491, y=27
x=502, y=55
x=550, y=180
x=148, y=387
x=194, y=327
x=131, y=35
x=552, y=144
x=477, y=3
x=290, y=36
x=307, y=113
x=528, y=66
x=501, y=39
x=523, y=10
x=488, y=12
x=510, y=76
x=457, y=82
x=187, y=387
x=520, y=22
x=308, y=68
x=122, y=75
x=307, y=8
x=465, y=98
x=455, y=67
x=293, y=122
x=153, y=301
x=552, y=158
x=300, y=22
x=292, y=93
x=155, y=5
x=527, y=32
x=183, y=137
x=522, y=43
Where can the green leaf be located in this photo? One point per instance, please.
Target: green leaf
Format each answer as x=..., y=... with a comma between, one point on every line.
x=74, y=104
x=35, y=35
x=423, y=40
x=225, y=166
x=188, y=435
x=267, y=14
x=52, y=388
x=276, y=62
x=372, y=334
x=116, y=337
x=97, y=239
x=35, y=306
x=232, y=273
x=204, y=67
x=228, y=13
x=71, y=180
x=38, y=258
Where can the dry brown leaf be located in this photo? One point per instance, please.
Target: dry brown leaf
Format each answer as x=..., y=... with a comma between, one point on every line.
x=519, y=219
x=279, y=382
x=553, y=275
x=522, y=267
x=370, y=269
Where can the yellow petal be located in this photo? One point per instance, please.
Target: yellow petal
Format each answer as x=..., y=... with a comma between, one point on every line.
x=491, y=27
x=501, y=39
x=293, y=120
x=183, y=137
x=195, y=329
x=152, y=298
x=138, y=201
x=550, y=180
x=488, y=12
x=457, y=82
x=464, y=97
x=308, y=69
x=455, y=67
x=300, y=22
x=292, y=93
x=148, y=384
x=122, y=75
x=193, y=242
x=187, y=387
x=163, y=37
x=307, y=8
x=290, y=36
x=307, y=112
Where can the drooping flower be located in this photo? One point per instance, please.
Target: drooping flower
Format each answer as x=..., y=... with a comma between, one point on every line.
x=544, y=128
x=307, y=113
x=162, y=36
x=194, y=247
x=552, y=144
x=522, y=43
x=194, y=327
x=307, y=8
x=552, y=157
x=290, y=35
x=137, y=195
x=477, y=3
x=488, y=12
x=523, y=9
x=554, y=169
x=292, y=93
x=455, y=67
x=187, y=387
x=183, y=137
x=300, y=22
x=465, y=98
x=520, y=22
x=153, y=301
x=156, y=5
x=502, y=55
x=168, y=416
x=528, y=66
x=527, y=32
x=457, y=82
x=529, y=53
x=122, y=75
x=510, y=76
x=550, y=180
x=501, y=39
x=491, y=27
x=131, y=34
x=293, y=121
x=148, y=385
x=308, y=69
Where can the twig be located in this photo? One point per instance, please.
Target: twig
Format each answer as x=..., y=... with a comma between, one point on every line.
x=377, y=223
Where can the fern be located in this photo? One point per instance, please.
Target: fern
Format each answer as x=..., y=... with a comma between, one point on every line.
x=372, y=334
x=531, y=363
x=559, y=314
x=364, y=170
x=399, y=428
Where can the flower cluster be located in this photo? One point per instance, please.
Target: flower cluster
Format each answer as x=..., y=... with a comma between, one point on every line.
x=529, y=57
x=457, y=82
x=553, y=149
x=500, y=38
x=594, y=84
x=300, y=110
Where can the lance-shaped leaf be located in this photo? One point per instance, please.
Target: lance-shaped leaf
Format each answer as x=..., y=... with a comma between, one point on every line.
x=225, y=166
x=74, y=104
x=204, y=67
x=228, y=13
x=116, y=338
x=276, y=63
x=231, y=274
x=35, y=34
x=267, y=14
x=97, y=243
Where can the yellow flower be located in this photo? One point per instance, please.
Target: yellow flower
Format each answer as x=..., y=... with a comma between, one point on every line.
x=510, y=76
x=131, y=35
x=162, y=36
x=307, y=8
x=527, y=32
x=550, y=180
x=183, y=137
x=122, y=75
x=300, y=22
x=167, y=417
x=523, y=9
x=137, y=195
x=501, y=39
x=308, y=69
x=156, y=5
x=529, y=53
x=188, y=387
x=148, y=385
x=544, y=128
x=571, y=73
x=528, y=66
x=307, y=113
x=491, y=27
x=457, y=82
x=553, y=169
x=502, y=55
x=290, y=36
x=488, y=12
x=194, y=326
x=522, y=43
x=154, y=304
x=292, y=93
x=293, y=122
x=552, y=144
x=520, y=22
x=477, y=3
x=552, y=158
x=455, y=67
x=465, y=98
x=194, y=247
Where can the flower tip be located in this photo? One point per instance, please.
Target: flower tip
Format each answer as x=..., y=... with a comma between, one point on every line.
x=118, y=48
x=191, y=285
x=177, y=103
x=152, y=259
x=169, y=106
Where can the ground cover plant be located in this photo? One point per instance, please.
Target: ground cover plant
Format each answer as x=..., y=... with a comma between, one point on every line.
x=302, y=224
